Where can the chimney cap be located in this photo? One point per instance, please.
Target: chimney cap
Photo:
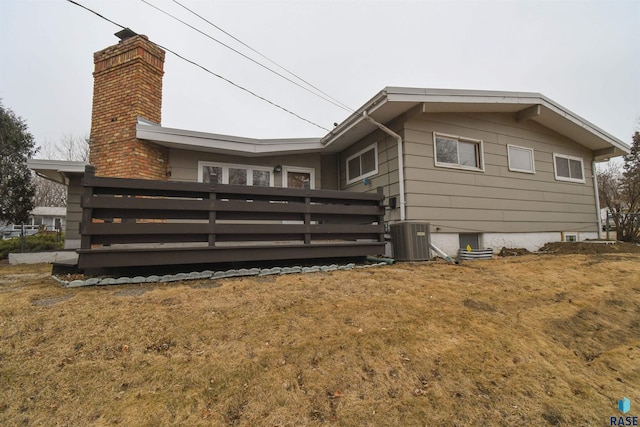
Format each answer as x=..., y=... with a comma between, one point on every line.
x=126, y=33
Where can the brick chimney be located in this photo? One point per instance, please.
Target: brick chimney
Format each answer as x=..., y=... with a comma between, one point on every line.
x=127, y=84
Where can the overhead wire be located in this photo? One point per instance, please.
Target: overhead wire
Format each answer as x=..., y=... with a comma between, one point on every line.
x=207, y=70
x=325, y=98
x=346, y=107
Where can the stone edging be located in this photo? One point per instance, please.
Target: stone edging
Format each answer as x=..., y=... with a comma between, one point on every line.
x=208, y=274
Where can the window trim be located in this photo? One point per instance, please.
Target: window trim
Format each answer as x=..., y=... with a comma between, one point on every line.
x=225, y=171
x=518, y=147
x=564, y=178
x=358, y=154
x=479, y=142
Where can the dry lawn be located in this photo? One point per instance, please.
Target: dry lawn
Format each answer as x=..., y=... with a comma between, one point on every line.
x=533, y=340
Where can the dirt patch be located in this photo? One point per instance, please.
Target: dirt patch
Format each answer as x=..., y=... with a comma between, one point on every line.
x=479, y=305
x=513, y=252
x=50, y=301
x=131, y=292
x=596, y=247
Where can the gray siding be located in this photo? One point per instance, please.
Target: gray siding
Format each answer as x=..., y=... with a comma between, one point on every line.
x=184, y=164
x=330, y=175
x=496, y=200
x=74, y=211
x=387, y=176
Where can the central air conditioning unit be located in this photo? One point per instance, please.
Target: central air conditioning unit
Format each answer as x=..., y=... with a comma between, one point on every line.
x=410, y=241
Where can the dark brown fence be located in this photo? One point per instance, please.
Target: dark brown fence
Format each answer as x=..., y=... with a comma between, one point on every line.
x=134, y=222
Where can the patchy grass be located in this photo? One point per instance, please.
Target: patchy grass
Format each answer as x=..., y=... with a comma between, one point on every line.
x=532, y=340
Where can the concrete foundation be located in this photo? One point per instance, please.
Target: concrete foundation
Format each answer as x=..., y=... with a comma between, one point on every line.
x=40, y=257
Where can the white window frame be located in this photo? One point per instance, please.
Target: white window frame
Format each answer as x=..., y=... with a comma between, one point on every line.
x=564, y=178
x=479, y=142
x=351, y=180
x=310, y=171
x=517, y=147
x=570, y=236
x=225, y=171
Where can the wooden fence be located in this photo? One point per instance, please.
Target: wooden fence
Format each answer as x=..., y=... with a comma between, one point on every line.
x=134, y=222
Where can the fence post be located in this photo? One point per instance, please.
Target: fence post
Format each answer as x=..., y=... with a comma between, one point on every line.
x=381, y=205
x=213, y=196
x=607, y=224
x=87, y=213
x=307, y=213
x=23, y=239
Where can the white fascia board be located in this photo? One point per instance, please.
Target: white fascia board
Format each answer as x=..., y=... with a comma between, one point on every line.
x=355, y=118
x=65, y=166
x=459, y=95
x=227, y=144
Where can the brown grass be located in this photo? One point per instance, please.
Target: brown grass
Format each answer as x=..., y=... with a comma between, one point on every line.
x=533, y=340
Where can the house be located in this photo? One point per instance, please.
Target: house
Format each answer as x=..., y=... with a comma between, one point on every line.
x=50, y=219
x=484, y=168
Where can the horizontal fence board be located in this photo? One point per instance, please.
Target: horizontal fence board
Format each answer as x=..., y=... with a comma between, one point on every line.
x=125, y=186
x=211, y=255
x=138, y=203
x=130, y=229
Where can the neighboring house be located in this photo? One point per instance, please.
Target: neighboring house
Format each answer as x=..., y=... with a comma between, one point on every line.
x=41, y=218
x=484, y=168
x=68, y=173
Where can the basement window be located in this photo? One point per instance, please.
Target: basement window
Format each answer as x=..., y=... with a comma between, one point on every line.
x=363, y=164
x=568, y=168
x=457, y=152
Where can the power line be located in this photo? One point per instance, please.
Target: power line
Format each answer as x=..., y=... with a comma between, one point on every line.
x=207, y=70
x=96, y=13
x=241, y=88
x=263, y=56
x=328, y=99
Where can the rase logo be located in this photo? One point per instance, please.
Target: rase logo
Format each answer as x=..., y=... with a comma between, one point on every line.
x=624, y=406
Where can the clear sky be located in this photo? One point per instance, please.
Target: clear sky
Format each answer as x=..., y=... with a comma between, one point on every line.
x=585, y=55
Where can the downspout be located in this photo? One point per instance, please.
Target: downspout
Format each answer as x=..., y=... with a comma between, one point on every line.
x=595, y=189
x=400, y=162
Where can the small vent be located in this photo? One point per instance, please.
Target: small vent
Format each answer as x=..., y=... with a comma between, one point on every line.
x=410, y=241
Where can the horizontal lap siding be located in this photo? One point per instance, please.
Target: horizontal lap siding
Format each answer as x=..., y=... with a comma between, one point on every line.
x=387, y=176
x=496, y=200
x=74, y=211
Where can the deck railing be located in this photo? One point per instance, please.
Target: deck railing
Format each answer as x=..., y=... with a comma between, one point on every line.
x=135, y=222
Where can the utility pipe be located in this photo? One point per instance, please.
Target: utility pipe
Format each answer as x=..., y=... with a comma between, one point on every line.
x=594, y=171
x=400, y=161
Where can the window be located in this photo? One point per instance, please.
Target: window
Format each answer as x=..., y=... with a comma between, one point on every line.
x=520, y=159
x=220, y=173
x=568, y=168
x=456, y=152
x=298, y=177
x=362, y=164
x=569, y=237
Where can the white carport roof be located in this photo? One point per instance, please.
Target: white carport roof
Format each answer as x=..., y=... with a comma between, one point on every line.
x=223, y=144
x=56, y=170
x=390, y=103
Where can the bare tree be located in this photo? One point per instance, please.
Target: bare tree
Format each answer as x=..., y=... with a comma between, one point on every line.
x=49, y=193
x=620, y=192
x=69, y=147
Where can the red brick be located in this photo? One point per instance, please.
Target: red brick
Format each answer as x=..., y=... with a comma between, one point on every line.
x=127, y=84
